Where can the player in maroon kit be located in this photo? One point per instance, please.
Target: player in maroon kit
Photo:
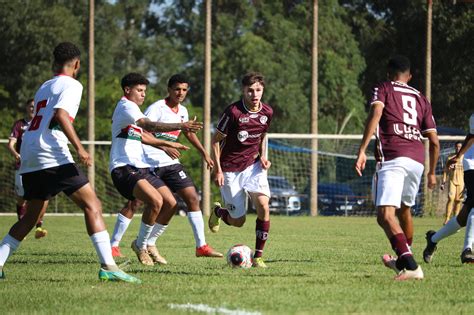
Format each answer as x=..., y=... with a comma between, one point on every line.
x=240, y=162
x=14, y=145
x=399, y=115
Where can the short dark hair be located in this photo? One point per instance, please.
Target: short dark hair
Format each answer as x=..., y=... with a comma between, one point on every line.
x=133, y=79
x=65, y=52
x=177, y=78
x=253, y=77
x=398, y=64
x=29, y=101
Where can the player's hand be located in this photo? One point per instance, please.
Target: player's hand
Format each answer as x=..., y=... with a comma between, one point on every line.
x=84, y=157
x=265, y=163
x=192, y=125
x=360, y=163
x=431, y=181
x=179, y=146
x=172, y=152
x=17, y=158
x=441, y=186
x=209, y=161
x=451, y=162
x=219, y=179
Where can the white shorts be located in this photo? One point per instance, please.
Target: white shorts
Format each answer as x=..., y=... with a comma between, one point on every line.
x=20, y=192
x=397, y=181
x=253, y=180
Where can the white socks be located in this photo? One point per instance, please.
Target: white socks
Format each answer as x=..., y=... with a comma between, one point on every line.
x=469, y=237
x=448, y=229
x=143, y=235
x=197, y=224
x=7, y=247
x=101, y=243
x=119, y=230
x=158, y=229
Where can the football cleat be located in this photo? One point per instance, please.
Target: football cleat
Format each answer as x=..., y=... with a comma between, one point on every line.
x=142, y=254
x=214, y=220
x=116, y=252
x=390, y=262
x=40, y=233
x=207, y=251
x=430, y=248
x=105, y=275
x=405, y=274
x=155, y=255
x=467, y=257
x=258, y=263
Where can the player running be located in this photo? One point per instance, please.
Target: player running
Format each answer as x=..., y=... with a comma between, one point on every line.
x=466, y=215
x=240, y=162
x=14, y=146
x=47, y=166
x=399, y=116
x=171, y=171
x=129, y=169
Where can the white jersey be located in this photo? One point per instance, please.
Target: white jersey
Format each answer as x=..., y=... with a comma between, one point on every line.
x=160, y=111
x=44, y=144
x=126, y=136
x=468, y=162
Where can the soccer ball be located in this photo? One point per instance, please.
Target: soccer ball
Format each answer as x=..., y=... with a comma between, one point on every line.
x=240, y=256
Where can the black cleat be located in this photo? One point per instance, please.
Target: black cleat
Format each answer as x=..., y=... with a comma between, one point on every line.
x=430, y=247
x=467, y=257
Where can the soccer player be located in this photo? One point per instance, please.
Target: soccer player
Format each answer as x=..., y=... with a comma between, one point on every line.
x=129, y=169
x=14, y=145
x=466, y=215
x=240, y=162
x=171, y=171
x=399, y=115
x=456, y=183
x=47, y=166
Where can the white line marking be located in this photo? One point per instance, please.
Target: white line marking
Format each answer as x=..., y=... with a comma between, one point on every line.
x=211, y=310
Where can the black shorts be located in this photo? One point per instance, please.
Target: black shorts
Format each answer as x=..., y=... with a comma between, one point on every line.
x=126, y=177
x=174, y=176
x=469, y=184
x=47, y=183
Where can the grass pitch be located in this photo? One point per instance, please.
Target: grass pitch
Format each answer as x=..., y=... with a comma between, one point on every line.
x=320, y=265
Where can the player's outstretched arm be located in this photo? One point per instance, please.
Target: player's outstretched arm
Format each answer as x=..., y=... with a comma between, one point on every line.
x=148, y=138
x=154, y=126
x=62, y=117
x=192, y=137
x=11, y=148
x=216, y=154
x=373, y=119
x=434, y=155
x=468, y=142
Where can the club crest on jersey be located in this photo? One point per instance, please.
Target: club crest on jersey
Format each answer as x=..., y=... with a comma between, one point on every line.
x=242, y=135
x=263, y=119
x=244, y=120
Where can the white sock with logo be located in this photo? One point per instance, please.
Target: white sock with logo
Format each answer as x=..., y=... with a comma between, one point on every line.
x=158, y=229
x=121, y=225
x=197, y=224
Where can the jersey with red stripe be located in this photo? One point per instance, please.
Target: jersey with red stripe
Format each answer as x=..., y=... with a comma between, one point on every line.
x=406, y=116
x=244, y=132
x=127, y=136
x=44, y=144
x=19, y=127
x=160, y=111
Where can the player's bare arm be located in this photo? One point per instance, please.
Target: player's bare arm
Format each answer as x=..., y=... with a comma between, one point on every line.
x=172, y=152
x=154, y=126
x=263, y=153
x=216, y=151
x=62, y=117
x=468, y=142
x=148, y=138
x=371, y=124
x=11, y=148
x=192, y=137
x=434, y=154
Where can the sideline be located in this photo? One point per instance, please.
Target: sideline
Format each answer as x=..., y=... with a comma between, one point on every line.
x=211, y=310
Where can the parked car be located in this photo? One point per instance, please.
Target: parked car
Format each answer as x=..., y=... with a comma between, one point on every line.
x=338, y=199
x=284, y=198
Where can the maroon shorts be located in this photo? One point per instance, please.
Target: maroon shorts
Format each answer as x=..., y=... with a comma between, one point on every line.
x=47, y=183
x=174, y=176
x=126, y=177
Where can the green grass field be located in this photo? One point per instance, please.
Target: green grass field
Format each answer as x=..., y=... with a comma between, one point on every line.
x=318, y=265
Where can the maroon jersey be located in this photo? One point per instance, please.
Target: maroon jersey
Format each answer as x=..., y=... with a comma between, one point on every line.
x=244, y=131
x=19, y=127
x=406, y=116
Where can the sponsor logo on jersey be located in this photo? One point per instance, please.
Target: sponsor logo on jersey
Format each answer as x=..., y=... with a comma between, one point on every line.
x=244, y=120
x=263, y=120
x=131, y=132
x=408, y=132
x=253, y=115
x=242, y=135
